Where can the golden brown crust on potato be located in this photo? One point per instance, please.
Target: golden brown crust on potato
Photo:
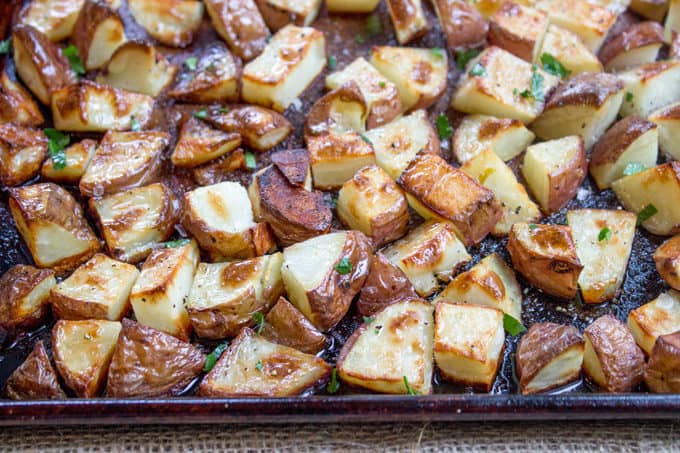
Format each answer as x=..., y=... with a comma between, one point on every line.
x=171, y=22
x=260, y=127
x=218, y=170
x=636, y=36
x=199, y=143
x=286, y=325
x=22, y=151
x=619, y=137
x=326, y=117
x=517, y=29
x=15, y=285
x=240, y=24
x=78, y=158
x=35, y=379
x=585, y=89
x=661, y=375
x=86, y=31
x=16, y=104
x=667, y=260
x=385, y=285
x=293, y=164
x=462, y=24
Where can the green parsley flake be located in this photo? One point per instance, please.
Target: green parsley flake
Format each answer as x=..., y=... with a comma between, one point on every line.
x=344, y=267
x=134, y=124
x=332, y=63
x=437, y=52
x=382, y=84
x=5, y=46
x=201, y=114
x=251, y=162
x=464, y=56
x=629, y=96
x=409, y=390
x=478, y=70
x=633, y=168
x=212, y=358
x=373, y=26
x=71, y=52
x=56, y=146
x=223, y=110
x=333, y=386
x=258, y=317
x=648, y=212
x=444, y=127
x=360, y=39
x=512, y=325
x=191, y=63
x=366, y=139
x=177, y=243
x=532, y=226
x=537, y=86
x=368, y=319
x=553, y=66
x=605, y=234
x=259, y=366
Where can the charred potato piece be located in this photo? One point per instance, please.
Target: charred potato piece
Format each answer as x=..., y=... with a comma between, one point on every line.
x=661, y=375
x=199, y=143
x=97, y=33
x=170, y=22
x=519, y=30
x=546, y=256
x=253, y=366
x=285, y=68
x=260, y=128
x=16, y=104
x=373, y=204
x=635, y=46
x=294, y=166
x=408, y=19
x=548, y=356
x=611, y=358
x=429, y=181
x=463, y=25
x=667, y=121
x=651, y=86
x=506, y=137
x=323, y=274
x=385, y=285
x=35, y=379
x=667, y=260
x=124, y=160
x=220, y=217
x=82, y=353
x=651, y=9
x=53, y=225
x=40, y=64
x=654, y=319
x=279, y=13
x=240, y=24
x=224, y=297
x=78, y=157
x=428, y=253
x=54, y=18
x=569, y=50
x=134, y=222
x=286, y=325
x=22, y=151
x=632, y=141
x=393, y=352
x=148, y=363
x=419, y=74
x=98, y=289
x=162, y=288
x=219, y=170
x=24, y=297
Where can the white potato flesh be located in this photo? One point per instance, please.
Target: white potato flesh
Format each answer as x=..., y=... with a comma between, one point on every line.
x=54, y=18
x=560, y=368
x=659, y=317
x=650, y=87
x=569, y=50
x=505, y=137
x=171, y=22
x=133, y=59
x=672, y=24
x=223, y=207
x=667, y=120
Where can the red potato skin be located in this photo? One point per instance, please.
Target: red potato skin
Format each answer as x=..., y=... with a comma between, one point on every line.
x=636, y=36
x=35, y=379
x=286, y=325
x=565, y=184
x=663, y=369
x=463, y=25
x=385, y=285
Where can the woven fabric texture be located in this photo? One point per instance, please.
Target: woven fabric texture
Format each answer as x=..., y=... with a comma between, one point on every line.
x=641, y=437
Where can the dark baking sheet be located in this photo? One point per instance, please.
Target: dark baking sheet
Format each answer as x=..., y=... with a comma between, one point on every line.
x=578, y=400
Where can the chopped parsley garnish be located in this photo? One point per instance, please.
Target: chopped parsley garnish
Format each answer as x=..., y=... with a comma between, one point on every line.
x=648, y=212
x=444, y=127
x=177, y=243
x=512, y=325
x=251, y=162
x=373, y=26
x=191, y=63
x=532, y=226
x=359, y=39
x=633, y=168
x=56, y=145
x=478, y=70
x=437, y=52
x=223, y=110
x=332, y=63
x=71, y=52
x=344, y=267
x=488, y=172
x=368, y=319
x=333, y=386
x=535, y=91
x=553, y=66
x=5, y=46
x=259, y=366
x=366, y=139
x=605, y=234
x=201, y=114
x=464, y=56
x=629, y=96
x=409, y=390
x=258, y=317
x=212, y=358
x=134, y=124
x=382, y=84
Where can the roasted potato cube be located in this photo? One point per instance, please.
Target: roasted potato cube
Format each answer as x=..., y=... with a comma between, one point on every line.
x=463, y=25
x=134, y=222
x=667, y=120
x=519, y=30
x=82, y=353
x=633, y=47
x=323, y=274
x=468, y=343
x=170, y=22
x=240, y=24
x=651, y=9
x=24, y=297
x=492, y=173
x=396, y=144
x=429, y=182
x=554, y=170
x=261, y=129
x=408, y=19
x=419, y=74
x=548, y=356
x=373, y=204
x=294, y=166
x=286, y=67
x=493, y=85
x=631, y=141
x=16, y=104
x=385, y=285
x=279, y=13
x=124, y=160
x=506, y=137
x=97, y=33
x=611, y=358
x=491, y=283
x=672, y=24
x=54, y=18
x=90, y=107
x=53, y=225
x=148, y=363
x=569, y=50
x=393, y=352
x=430, y=252
x=199, y=143
x=35, y=379
x=253, y=366
x=162, y=287
x=219, y=170
x=215, y=79
x=98, y=289
x=132, y=59
x=225, y=296
x=381, y=96
x=220, y=217
x=651, y=86
x=40, y=63
x=604, y=239
x=286, y=325
x=351, y=6
x=546, y=256
x=78, y=158
x=585, y=105
x=653, y=191
x=661, y=375
x=654, y=319
x=667, y=260
x=22, y=151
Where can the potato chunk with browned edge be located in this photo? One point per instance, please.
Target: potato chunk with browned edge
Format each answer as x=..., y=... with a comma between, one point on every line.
x=462, y=24
x=16, y=104
x=385, y=285
x=171, y=22
x=199, y=143
x=35, y=379
x=667, y=120
x=286, y=325
x=661, y=375
x=22, y=151
x=653, y=319
x=651, y=87
x=97, y=33
x=519, y=30
x=24, y=297
x=279, y=13
x=638, y=45
x=667, y=260
x=261, y=129
x=505, y=137
x=54, y=18
x=240, y=24
x=78, y=157
x=408, y=19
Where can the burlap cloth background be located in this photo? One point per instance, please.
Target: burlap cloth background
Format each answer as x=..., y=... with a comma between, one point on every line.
x=485, y=437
